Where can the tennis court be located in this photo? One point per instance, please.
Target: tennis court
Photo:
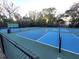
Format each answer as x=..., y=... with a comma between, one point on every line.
x=43, y=42
x=50, y=37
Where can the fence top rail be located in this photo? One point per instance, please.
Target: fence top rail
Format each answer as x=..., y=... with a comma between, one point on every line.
x=21, y=48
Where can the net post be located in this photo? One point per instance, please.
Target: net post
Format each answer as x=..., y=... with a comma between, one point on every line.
x=60, y=45
x=59, y=39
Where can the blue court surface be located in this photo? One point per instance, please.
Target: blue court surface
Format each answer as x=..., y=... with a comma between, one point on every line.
x=50, y=37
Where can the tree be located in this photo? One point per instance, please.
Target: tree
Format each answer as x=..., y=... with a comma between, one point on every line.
x=74, y=13
x=17, y=16
x=49, y=14
x=40, y=22
x=2, y=12
x=10, y=9
x=32, y=15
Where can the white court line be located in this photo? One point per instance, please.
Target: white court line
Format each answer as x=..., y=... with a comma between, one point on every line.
x=57, y=47
x=25, y=37
x=75, y=36
x=47, y=44
x=42, y=36
x=34, y=40
x=28, y=38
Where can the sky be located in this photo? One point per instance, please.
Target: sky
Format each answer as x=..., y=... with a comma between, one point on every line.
x=31, y=5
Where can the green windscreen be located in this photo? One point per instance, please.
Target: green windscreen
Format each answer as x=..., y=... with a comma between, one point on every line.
x=13, y=25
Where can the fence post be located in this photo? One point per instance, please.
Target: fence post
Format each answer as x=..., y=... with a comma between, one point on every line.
x=2, y=43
